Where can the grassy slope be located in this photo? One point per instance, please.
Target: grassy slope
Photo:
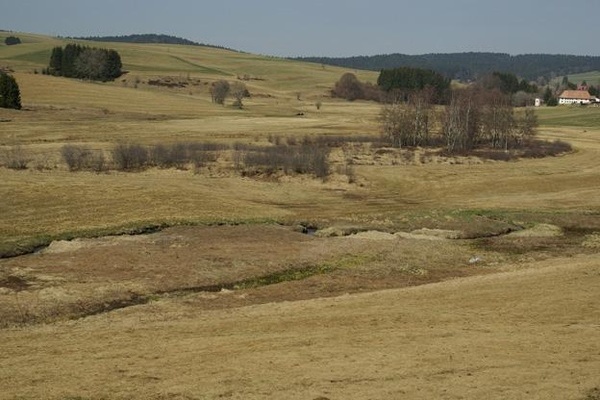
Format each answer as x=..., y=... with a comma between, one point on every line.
x=530, y=334
x=70, y=111
x=592, y=78
x=66, y=111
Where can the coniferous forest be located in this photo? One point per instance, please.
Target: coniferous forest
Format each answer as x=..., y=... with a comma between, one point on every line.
x=470, y=66
x=83, y=62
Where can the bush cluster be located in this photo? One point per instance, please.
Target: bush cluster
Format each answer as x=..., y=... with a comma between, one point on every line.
x=299, y=159
x=79, y=158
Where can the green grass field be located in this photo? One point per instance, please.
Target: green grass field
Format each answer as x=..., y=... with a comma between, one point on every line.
x=592, y=78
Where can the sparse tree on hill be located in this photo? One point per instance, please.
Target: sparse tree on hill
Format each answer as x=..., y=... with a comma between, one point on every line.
x=348, y=87
x=219, y=91
x=239, y=91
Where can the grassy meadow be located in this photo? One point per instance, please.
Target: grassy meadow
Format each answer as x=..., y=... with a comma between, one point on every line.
x=427, y=277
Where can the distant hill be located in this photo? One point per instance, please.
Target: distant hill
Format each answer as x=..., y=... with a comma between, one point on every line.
x=151, y=38
x=466, y=66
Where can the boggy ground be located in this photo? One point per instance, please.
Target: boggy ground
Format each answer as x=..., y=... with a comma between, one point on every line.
x=233, y=266
x=229, y=265
x=528, y=333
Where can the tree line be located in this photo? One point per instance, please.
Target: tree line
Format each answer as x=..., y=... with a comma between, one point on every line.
x=84, y=62
x=470, y=66
x=473, y=118
x=398, y=83
x=392, y=85
x=149, y=38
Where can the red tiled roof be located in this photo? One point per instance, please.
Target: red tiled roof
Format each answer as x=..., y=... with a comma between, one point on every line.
x=575, y=94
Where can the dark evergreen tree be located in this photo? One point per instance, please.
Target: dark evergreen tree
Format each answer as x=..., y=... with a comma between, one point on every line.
x=70, y=55
x=508, y=83
x=55, y=67
x=113, y=65
x=10, y=95
x=408, y=80
x=12, y=40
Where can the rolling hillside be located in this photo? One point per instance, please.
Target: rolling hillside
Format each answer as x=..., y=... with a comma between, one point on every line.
x=264, y=73
x=405, y=273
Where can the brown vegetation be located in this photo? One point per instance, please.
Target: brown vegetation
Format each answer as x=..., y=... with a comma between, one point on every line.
x=149, y=284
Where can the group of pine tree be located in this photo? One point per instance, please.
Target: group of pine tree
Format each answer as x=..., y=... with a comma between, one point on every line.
x=83, y=62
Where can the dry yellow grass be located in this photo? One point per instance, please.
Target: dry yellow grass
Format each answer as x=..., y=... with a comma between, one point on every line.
x=529, y=333
x=520, y=335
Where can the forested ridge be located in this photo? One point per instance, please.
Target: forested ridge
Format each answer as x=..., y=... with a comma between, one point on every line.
x=468, y=66
x=148, y=38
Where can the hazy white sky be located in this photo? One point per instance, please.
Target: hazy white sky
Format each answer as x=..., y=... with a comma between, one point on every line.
x=328, y=28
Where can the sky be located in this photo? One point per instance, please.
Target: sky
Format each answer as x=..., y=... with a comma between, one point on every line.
x=334, y=28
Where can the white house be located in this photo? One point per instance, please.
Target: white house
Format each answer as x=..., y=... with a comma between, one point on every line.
x=575, y=97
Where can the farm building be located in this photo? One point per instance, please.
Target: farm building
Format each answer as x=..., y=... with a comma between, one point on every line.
x=575, y=97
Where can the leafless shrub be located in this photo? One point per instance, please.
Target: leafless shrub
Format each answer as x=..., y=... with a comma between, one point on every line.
x=305, y=159
x=159, y=156
x=42, y=163
x=129, y=157
x=238, y=159
x=15, y=158
x=79, y=158
x=542, y=148
x=75, y=156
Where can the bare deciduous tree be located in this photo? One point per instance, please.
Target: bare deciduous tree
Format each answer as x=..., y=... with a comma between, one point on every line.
x=497, y=120
x=408, y=124
x=239, y=91
x=348, y=87
x=219, y=91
